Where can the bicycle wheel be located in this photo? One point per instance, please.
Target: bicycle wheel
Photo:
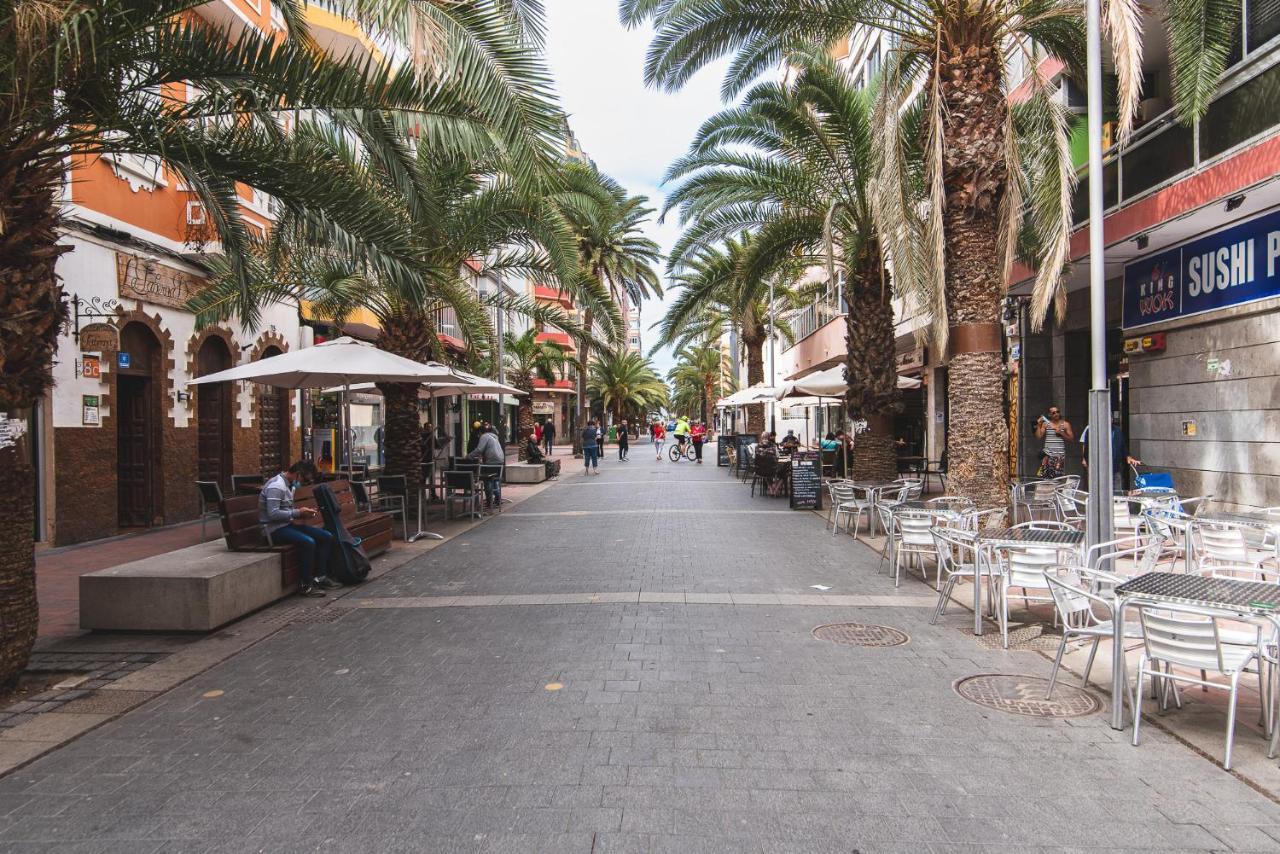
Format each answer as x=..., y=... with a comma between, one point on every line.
x=674, y=453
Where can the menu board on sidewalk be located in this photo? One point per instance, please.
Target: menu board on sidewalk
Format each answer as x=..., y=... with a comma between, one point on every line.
x=806, y=481
x=722, y=449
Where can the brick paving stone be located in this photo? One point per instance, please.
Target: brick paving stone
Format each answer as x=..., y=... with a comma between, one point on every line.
x=677, y=727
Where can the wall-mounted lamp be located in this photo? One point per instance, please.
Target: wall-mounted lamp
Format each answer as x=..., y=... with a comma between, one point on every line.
x=1143, y=242
x=1234, y=202
x=184, y=396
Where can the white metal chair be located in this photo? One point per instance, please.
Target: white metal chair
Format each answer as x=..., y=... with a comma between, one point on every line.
x=1033, y=496
x=859, y=500
x=1085, y=615
x=1174, y=528
x=957, y=555
x=1225, y=544
x=1189, y=637
x=912, y=538
x=1023, y=567
x=1073, y=506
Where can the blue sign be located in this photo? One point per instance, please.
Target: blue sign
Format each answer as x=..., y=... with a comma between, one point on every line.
x=1235, y=265
x=122, y=360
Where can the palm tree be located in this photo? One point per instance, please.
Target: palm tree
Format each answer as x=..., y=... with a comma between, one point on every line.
x=696, y=376
x=529, y=359
x=978, y=197
x=712, y=293
x=625, y=383
x=795, y=163
x=80, y=80
x=437, y=206
x=612, y=251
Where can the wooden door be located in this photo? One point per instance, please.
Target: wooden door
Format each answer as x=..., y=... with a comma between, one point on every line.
x=133, y=451
x=273, y=427
x=213, y=416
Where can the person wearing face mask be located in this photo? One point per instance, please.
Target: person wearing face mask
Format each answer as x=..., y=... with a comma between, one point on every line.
x=281, y=520
x=1055, y=431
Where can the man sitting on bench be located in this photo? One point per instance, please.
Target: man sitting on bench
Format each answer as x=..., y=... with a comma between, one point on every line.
x=278, y=516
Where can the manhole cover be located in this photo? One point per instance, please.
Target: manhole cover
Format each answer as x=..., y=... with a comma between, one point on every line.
x=860, y=634
x=1024, y=695
x=1030, y=638
x=307, y=615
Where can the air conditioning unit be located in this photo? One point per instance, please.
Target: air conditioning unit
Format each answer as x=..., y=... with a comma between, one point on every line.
x=195, y=213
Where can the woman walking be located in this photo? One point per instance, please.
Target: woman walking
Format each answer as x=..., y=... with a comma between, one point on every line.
x=591, y=447
x=659, y=433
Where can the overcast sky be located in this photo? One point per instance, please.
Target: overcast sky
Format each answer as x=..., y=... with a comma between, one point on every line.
x=631, y=131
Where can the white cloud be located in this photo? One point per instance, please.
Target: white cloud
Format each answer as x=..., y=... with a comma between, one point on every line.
x=631, y=130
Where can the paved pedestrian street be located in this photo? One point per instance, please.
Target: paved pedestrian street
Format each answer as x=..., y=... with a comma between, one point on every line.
x=623, y=663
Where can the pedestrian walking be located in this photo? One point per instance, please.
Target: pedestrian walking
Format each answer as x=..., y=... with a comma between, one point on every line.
x=1120, y=458
x=659, y=433
x=537, y=433
x=280, y=519
x=698, y=433
x=1056, y=432
x=591, y=447
x=624, y=441
x=549, y=436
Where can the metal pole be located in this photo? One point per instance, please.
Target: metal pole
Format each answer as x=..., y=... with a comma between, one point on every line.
x=773, y=367
x=1099, y=446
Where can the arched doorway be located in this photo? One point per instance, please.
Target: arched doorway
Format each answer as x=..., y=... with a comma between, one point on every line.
x=214, y=411
x=137, y=416
x=274, y=428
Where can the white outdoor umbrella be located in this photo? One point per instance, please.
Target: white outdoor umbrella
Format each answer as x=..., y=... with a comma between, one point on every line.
x=748, y=395
x=828, y=383
x=340, y=362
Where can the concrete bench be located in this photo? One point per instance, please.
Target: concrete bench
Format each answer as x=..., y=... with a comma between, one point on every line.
x=525, y=473
x=196, y=589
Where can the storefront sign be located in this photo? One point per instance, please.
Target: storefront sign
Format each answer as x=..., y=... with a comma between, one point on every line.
x=99, y=338
x=90, y=367
x=1236, y=265
x=722, y=449
x=153, y=282
x=1153, y=343
x=90, y=418
x=912, y=360
x=544, y=407
x=123, y=360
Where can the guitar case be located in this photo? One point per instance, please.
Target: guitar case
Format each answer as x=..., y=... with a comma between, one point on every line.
x=348, y=563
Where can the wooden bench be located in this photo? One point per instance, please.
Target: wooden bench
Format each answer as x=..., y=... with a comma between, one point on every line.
x=243, y=532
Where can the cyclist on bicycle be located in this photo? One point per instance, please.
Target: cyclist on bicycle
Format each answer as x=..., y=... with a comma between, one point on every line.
x=682, y=431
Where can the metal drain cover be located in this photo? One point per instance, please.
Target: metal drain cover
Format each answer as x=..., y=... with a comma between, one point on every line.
x=106, y=703
x=861, y=634
x=1031, y=638
x=1024, y=695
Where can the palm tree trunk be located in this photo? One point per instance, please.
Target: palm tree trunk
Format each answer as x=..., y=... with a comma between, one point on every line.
x=407, y=334
x=869, y=366
x=975, y=176
x=755, y=374
x=584, y=355
x=31, y=312
x=524, y=413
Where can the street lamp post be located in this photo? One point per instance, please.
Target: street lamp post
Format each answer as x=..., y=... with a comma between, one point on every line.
x=1099, y=522
x=773, y=375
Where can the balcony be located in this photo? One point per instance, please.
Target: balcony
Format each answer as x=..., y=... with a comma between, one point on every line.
x=549, y=294
x=561, y=338
x=1162, y=152
x=808, y=320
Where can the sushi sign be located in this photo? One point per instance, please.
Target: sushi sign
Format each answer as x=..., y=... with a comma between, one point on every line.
x=1236, y=265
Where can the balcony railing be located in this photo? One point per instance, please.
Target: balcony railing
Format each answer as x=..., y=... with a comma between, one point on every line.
x=1162, y=151
x=808, y=320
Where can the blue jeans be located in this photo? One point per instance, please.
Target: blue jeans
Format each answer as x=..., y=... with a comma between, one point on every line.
x=314, y=545
x=549, y=444
x=591, y=456
x=493, y=490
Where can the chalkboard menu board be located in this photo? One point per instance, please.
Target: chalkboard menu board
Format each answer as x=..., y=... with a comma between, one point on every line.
x=743, y=441
x=806, y=481
x=722, y=449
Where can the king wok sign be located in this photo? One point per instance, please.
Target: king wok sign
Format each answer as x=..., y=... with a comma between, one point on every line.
x=1235, y=265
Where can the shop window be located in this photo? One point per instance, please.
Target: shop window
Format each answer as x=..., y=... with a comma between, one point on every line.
x=1157, y=159
x=1263, y=22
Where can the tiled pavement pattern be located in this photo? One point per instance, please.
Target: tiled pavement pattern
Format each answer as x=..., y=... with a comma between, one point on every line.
x=656, y=727
x=86, y=673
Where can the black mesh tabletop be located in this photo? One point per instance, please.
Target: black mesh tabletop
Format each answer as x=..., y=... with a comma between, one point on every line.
x=1256, y=596
x=1030, y=537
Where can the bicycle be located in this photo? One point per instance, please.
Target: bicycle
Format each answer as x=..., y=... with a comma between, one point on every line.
x=681, y=450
